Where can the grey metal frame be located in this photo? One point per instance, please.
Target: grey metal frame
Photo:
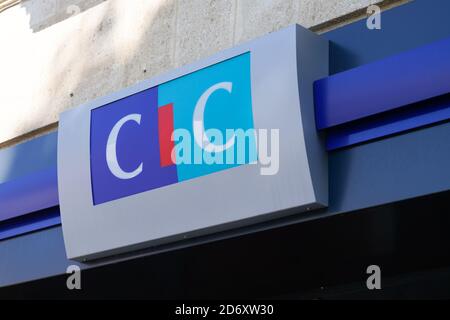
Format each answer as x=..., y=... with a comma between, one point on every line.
x=284, y=65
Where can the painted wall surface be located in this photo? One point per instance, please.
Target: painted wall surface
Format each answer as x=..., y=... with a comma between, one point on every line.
x=57, y=54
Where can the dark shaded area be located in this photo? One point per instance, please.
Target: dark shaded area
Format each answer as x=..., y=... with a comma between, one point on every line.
x=324, y=258
x=29, y=222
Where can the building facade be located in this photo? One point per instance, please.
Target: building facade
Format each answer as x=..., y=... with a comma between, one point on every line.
x=388, y=177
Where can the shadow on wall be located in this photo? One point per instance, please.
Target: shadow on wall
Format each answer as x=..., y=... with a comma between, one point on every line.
x=45, y=13
x=109, y=62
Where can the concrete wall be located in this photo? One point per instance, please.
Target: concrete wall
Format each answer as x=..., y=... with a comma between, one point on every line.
x=57, y=54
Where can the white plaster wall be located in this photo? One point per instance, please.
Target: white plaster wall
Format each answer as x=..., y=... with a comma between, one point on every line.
x=51, y=60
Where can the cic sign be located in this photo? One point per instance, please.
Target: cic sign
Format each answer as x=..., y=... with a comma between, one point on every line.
x=148, y=140
x=220, y=144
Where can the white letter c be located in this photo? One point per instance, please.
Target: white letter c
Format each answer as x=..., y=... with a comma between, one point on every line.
x=198, y=124
x=111, y=152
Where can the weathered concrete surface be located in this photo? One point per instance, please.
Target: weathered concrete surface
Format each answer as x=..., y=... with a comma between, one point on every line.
x=52, y=59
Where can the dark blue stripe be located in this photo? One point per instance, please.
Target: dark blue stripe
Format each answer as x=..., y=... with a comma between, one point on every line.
x=419, y=115
x=388, y=84
x=29, y=223
x=28, y=194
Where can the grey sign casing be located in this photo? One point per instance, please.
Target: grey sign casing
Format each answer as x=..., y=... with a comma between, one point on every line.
x=284, y=65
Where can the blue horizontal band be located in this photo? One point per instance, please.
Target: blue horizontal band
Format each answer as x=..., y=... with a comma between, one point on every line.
x=29, y=223
x=28, y=194
x=422, y=114
x=382, y=86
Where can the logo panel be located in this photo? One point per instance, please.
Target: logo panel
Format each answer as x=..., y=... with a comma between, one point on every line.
x=135, y=146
